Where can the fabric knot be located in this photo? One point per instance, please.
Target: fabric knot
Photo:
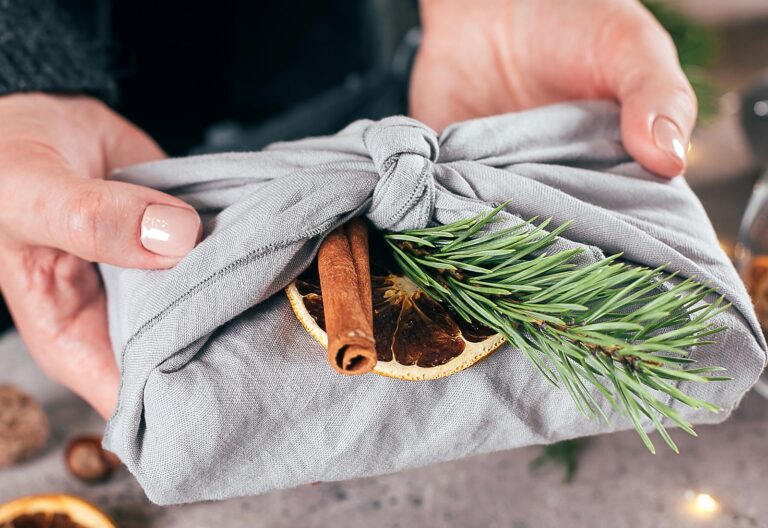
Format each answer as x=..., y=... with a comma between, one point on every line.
x=403, y=151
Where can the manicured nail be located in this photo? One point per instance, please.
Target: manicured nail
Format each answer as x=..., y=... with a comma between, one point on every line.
x=170, y=231
x=669, y=138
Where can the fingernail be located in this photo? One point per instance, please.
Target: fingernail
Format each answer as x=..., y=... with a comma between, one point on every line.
x=170, y=231
x=669, y=138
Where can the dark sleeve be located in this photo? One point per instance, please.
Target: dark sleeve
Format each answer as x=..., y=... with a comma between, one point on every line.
x=41, y=50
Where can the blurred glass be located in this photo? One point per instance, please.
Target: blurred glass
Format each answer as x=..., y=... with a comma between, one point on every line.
x=754, y=118
x=752, y=249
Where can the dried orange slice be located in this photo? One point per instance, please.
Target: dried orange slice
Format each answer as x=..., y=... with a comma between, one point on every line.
x=52, y=511
x=417, y=338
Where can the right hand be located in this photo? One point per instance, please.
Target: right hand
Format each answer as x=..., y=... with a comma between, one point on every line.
x=485, y=58
x=60, y=214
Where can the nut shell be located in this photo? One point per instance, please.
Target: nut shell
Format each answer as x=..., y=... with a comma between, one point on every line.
x=24, y=428
x=88, y=461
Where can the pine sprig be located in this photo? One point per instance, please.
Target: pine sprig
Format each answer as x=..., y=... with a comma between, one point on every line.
x=624, y=330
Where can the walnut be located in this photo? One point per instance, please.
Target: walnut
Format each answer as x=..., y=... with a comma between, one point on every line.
x=24, y=428
x=88, y=461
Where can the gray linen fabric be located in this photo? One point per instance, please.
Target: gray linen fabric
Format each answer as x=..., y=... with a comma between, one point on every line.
x=225, y=394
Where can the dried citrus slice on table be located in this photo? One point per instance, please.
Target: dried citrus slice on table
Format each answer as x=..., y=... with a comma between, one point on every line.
x=417, y=338
x=49, y=511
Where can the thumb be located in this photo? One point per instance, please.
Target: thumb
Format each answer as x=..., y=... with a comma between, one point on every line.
x=126, y=144
x=106, y=221
x=658, y=105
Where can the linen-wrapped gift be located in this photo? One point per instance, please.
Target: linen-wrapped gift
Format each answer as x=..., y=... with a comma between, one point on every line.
x=224, y=393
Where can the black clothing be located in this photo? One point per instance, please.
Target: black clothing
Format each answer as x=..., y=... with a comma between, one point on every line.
x=183, y=65
x=176, y=67
x=41, y=51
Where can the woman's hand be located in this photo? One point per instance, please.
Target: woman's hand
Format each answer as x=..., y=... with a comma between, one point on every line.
x=484, y=57
x=60, y=214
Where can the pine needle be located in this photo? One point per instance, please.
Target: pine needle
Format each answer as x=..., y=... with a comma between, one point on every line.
x=611, y=326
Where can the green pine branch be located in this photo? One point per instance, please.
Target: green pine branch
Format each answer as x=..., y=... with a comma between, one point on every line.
x=613, y=326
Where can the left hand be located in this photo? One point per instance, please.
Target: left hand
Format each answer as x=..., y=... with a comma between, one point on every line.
x=480, y=58
x=60, y=214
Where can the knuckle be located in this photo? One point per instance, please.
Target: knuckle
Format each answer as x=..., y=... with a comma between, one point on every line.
x=682, y=103
x=658, y=33
x=626, y=29
x=684, y=92
x=84, y=216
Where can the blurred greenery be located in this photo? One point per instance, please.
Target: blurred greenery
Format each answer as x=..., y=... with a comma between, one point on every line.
x=697, y=46
x=565, y=454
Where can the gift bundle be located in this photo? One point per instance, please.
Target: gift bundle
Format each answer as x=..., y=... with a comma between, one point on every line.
x=387, y=298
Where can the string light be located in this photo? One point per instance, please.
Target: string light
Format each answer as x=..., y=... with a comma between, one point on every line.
x=702, y=505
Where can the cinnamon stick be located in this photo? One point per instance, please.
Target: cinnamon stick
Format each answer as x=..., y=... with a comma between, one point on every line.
x=345, y=284
x=357, y=233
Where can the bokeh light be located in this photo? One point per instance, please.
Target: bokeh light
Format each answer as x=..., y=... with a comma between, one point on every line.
x=701, y=505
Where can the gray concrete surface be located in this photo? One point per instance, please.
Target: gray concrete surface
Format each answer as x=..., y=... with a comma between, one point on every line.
x=619, y=484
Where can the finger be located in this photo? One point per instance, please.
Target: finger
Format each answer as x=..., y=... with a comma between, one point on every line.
x=658, y=105
x=59, y=308
x=101, y=221
x=127, y=145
